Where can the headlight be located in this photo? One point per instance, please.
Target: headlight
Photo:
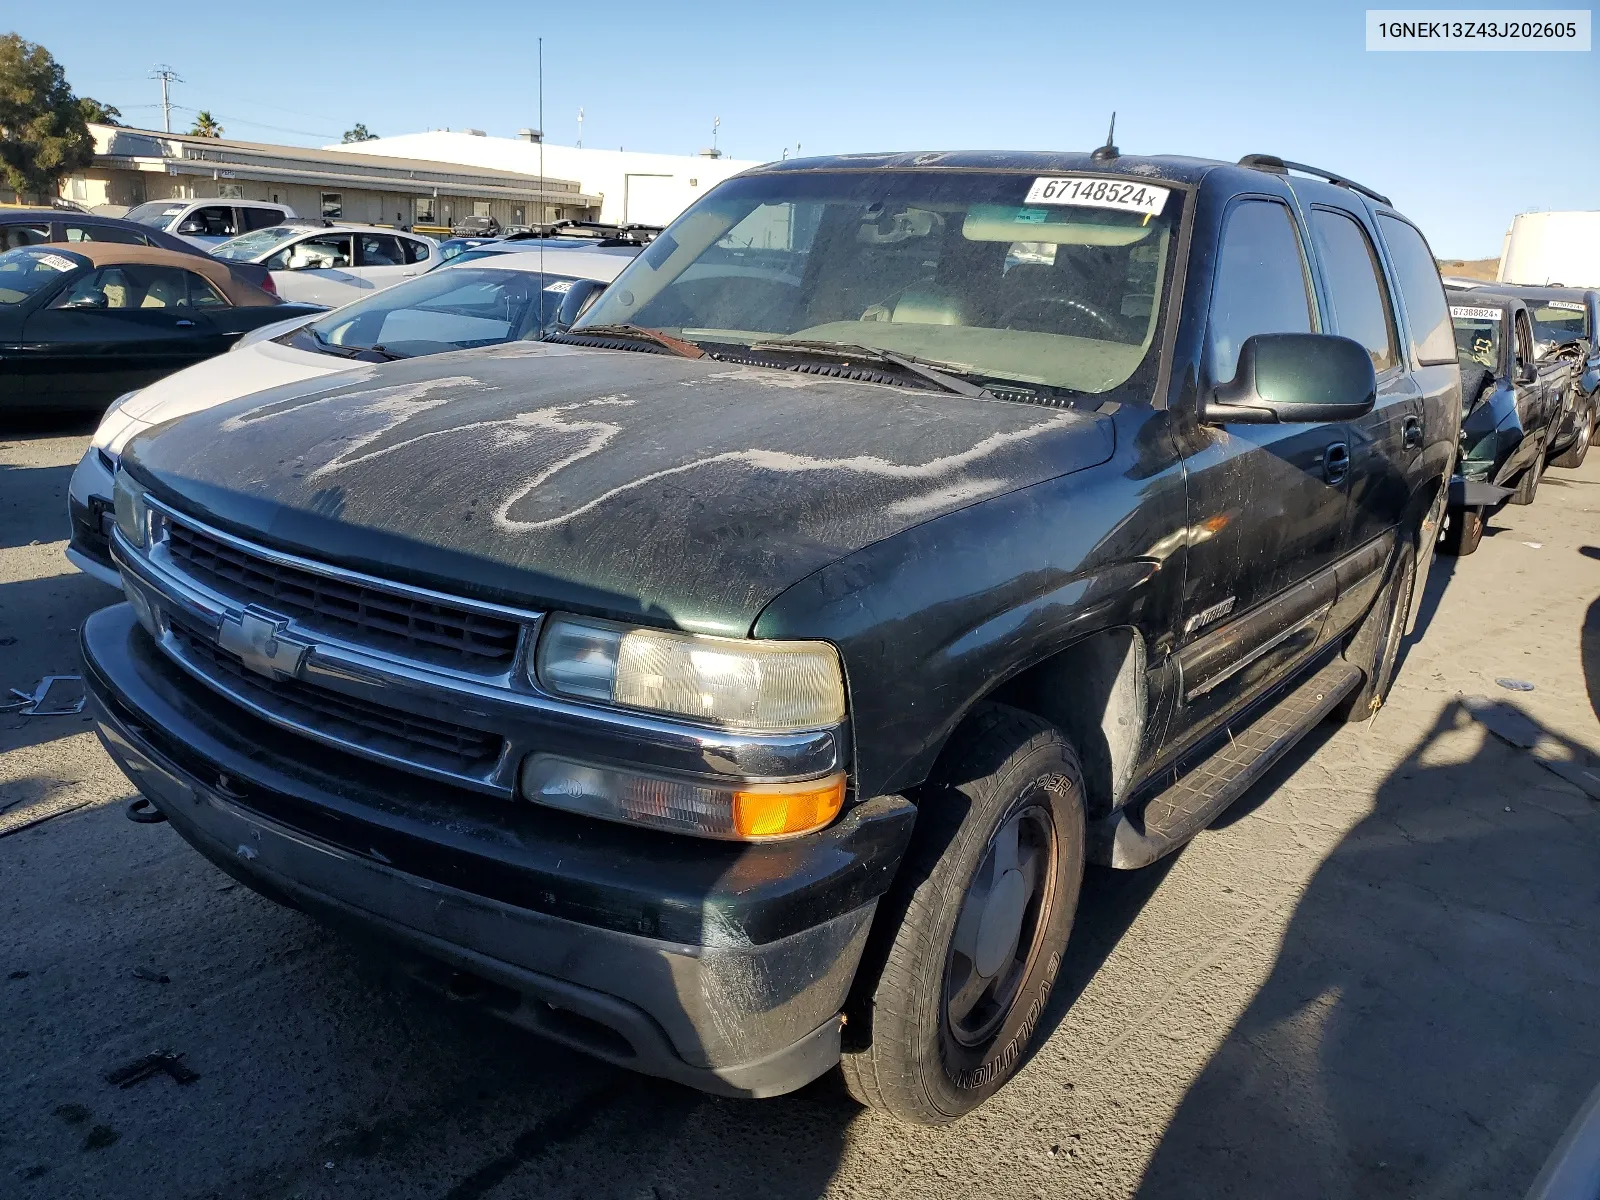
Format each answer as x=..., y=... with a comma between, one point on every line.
x=133, y=515
x=763, y=686
x=753, y=812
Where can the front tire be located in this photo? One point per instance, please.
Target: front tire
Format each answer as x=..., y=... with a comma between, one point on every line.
x=1528, y=485
x=1463, y=530
x=1574, y=454
x=972, y=935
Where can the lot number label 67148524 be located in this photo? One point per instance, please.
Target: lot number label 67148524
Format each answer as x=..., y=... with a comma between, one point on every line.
x=1089, y=192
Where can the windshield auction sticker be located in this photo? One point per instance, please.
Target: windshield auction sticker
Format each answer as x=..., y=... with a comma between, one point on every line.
x=55, y=262
x=1475, y=314
x=1085, y=191
x=1478, y=29
x=1568, y=305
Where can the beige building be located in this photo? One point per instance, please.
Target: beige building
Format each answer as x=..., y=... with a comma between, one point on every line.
x=132, y=166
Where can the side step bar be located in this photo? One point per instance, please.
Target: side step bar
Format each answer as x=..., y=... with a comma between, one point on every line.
x=1159, y=825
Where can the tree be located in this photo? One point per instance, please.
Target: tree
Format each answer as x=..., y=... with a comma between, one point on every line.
x=43, y=137
x=359, y=134
x=100, y=114
x=205, y=126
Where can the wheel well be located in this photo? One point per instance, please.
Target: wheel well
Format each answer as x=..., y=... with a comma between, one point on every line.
x=1094, y=692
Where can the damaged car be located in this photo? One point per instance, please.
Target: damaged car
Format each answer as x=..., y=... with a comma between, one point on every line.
x=1514, y=403
x=735, y=685
x=1566, y=324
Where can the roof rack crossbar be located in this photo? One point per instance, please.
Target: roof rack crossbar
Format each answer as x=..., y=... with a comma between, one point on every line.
x=1282, y=166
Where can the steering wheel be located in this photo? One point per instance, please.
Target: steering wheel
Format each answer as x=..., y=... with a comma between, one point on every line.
x=1077, y=306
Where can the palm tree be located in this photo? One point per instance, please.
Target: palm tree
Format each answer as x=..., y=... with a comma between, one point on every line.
x=205, y=126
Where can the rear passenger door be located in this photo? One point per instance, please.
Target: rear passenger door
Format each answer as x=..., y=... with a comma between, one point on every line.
x=380, y=261
x=1266, y=502
x=1359, y=307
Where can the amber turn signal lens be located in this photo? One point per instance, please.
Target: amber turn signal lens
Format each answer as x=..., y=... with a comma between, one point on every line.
x=783, y=809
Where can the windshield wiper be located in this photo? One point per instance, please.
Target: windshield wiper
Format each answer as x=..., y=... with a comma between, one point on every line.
x=328, y=347
x=636, y=333
x=944, y=379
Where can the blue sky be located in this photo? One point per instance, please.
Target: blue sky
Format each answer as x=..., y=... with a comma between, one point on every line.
x=1437, y=132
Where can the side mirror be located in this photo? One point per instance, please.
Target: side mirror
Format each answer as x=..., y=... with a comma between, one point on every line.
x=192, y=228
x=576, y=302
x=1287, y=378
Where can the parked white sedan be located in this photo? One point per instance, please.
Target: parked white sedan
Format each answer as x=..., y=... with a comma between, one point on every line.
x=479, y=302
x=333, y=265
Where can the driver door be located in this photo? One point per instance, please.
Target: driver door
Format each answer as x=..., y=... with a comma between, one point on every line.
x=317, y=270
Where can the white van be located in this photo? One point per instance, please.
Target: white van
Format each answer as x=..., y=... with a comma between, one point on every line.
x=208, y=223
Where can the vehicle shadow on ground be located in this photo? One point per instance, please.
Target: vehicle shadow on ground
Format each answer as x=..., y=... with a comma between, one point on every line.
x=1589, y=648
x=32, y=523
x=1428, y=1027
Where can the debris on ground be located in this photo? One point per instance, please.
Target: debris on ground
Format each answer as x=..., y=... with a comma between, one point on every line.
x=1513, y=726
x=162, y=1062
x=37, y=703
x=150, y=973
x=1515, y=685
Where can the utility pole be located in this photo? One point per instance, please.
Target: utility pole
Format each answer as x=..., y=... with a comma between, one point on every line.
x=167, y=76
x=716, y=124
x=580, y=129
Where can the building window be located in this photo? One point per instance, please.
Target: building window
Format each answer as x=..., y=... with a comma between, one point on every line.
x=480, y=208
x=79, y=188
x=424, y=210
x=332, y=205
x=230, y=191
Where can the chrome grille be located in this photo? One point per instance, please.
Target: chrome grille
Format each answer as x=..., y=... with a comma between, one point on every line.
x=428, y=741
x=420, y=629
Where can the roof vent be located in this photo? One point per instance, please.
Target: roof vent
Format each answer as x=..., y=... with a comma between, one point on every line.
x=531, y=135
x=711, y=153
x=475, y=132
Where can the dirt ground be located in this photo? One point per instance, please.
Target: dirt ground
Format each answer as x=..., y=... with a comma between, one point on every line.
x=1374, y=976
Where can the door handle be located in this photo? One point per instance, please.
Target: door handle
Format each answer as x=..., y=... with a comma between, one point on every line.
x=184, y=324
x=1411, y=433
x=1336, y=462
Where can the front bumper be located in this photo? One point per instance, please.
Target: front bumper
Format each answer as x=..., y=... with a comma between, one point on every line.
x=722, y=966
x=89, y=517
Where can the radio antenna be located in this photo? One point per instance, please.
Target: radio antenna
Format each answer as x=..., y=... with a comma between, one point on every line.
x=1109, y=151
x=543, y=212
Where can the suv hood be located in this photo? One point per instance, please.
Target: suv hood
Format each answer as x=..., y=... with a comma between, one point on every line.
x=683, y=492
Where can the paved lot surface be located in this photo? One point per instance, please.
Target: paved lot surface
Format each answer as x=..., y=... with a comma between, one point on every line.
x=1375, y=977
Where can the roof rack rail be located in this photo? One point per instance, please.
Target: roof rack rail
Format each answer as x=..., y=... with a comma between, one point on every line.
x=1282, y=166
x=607, y=234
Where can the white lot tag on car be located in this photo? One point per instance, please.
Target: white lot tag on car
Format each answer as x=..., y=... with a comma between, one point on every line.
x=1475, y=314
x=1089, y=192
x=1568, y=305
x=56, y=263
x=559, y=286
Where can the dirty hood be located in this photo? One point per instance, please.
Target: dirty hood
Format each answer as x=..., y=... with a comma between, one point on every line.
x=684, y=492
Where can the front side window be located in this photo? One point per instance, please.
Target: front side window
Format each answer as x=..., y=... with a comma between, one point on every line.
x=1420, y=287
x=445, y=310
x=1260, y=283
x=919, y=264
x=332, y=205
x=1355, y=285
x=140, y=286
x=28, y=272
x=215, y=220
x=12, y=236
x=328, y=251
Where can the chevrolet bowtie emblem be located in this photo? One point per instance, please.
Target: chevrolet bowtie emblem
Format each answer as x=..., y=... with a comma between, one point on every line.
x=258, y=638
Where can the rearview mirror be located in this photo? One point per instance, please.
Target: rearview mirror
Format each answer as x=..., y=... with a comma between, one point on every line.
x=1527, y=373
x=579, y=296
x=1288, y=378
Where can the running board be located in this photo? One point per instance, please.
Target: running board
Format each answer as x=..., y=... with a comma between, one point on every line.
x=1167, y=820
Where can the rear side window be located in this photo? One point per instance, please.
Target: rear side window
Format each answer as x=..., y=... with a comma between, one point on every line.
x=259, y=218
x=105, y=233
x=1350, y=267
x=379, y=250
x=12, y=236
x=1420, y=289
x=1260, y=285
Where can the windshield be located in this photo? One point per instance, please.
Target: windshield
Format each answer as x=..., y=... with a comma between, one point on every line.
x=1477, y=335
x=250, y=246
x=453, y=309
x=1559, y=321
x=157, y=213
x=1056, y=281
x=27, y=271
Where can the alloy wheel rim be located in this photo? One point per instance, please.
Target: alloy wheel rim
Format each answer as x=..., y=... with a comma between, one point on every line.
x=1003, y=917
